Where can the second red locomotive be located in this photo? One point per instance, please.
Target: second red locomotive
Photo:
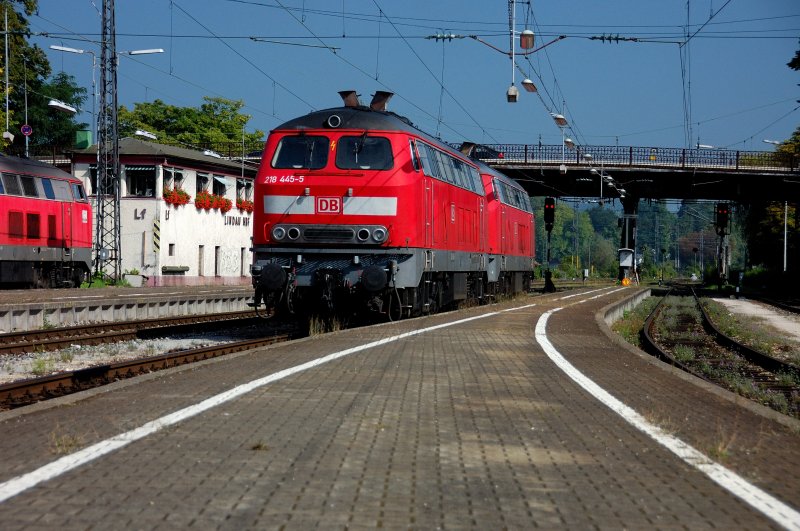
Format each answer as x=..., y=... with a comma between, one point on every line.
x=45, y=226
x=357, y=209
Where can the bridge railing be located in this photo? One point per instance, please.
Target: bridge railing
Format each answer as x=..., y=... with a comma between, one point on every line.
x=636, y=156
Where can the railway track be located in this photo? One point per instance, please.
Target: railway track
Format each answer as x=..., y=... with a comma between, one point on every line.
x=24, y=392
x=683, y=335
x=104, y=333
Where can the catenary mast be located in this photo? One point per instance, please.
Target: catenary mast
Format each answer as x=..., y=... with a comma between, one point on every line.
x=107, y=184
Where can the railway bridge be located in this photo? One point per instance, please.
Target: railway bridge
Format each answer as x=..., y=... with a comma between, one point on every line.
x=631, y=173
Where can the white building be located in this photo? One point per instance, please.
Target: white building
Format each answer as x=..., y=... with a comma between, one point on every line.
x=198, y=242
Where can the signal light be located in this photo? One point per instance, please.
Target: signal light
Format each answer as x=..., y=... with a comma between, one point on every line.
x=723, y=216
x=549, y=213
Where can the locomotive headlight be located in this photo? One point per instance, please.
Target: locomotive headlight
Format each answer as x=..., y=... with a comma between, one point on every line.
x=293, y=233
x=279, y=233
x=380, y=234
x=363, y=234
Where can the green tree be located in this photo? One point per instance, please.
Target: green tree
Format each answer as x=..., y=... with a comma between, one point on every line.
x=218, y=121
x=24, y=61
x=604, y=257
x=605, y=223
x=52, y=128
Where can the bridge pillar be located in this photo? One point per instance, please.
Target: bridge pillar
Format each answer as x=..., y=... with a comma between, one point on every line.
x=627, y=242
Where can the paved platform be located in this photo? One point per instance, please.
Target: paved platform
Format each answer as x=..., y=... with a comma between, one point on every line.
x=39, y=309
x=487, y=418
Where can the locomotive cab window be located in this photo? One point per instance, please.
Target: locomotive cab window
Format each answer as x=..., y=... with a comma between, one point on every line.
x=301, y=151
x=364, y=153
x=59, y=189
x=78, y=192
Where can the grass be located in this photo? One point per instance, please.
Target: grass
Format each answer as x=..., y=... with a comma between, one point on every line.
x=42, y=366
x=683, y=353
x=46, y=324
x=752, y=333
x=61, y=444
x=632, y=322
x=720, y=449
x=322, y=325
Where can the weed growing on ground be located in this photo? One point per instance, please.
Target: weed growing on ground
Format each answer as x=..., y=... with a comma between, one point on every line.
x=42, y=366
x=61, y=444
x=632, y=322
x=260, y=447
x=683, y=353
x=322, y=325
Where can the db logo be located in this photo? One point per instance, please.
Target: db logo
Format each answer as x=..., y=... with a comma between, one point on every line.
x=329, y=205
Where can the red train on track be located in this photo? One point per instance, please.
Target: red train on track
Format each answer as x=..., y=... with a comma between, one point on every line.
x=356, y=210
x=45, y=226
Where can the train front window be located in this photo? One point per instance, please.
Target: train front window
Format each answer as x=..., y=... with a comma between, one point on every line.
x=364, y=152
x=301, y=151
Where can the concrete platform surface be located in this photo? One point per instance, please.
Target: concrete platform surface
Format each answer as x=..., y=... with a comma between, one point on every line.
x=525, y=414
x=39, y=309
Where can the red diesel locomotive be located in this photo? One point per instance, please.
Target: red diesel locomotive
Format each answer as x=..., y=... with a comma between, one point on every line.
x=357, y=210
x=45, y=226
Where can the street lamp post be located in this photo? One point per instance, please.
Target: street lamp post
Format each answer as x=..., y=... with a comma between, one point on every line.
x=561, y=122
x=94, y=66
x=94, y=83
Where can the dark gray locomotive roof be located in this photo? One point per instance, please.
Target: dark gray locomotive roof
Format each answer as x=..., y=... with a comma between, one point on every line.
x=361, y=118
x=30, y=167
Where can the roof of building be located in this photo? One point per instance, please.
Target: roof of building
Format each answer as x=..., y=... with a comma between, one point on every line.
x=129, y=146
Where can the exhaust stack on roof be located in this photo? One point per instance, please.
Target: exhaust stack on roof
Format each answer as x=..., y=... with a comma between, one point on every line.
x=350, y=98
x=467, y=148
x=380, y=99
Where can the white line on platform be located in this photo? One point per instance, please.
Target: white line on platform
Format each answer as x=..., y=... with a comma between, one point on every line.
x=70, y=462
x=582, y=293
x=768, y=505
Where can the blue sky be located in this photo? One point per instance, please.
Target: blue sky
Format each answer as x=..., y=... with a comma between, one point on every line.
x=729, y=83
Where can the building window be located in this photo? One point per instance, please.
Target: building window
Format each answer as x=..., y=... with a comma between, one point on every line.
x=173, y=178
x=107, y=187
x=220, y=185
x=202, y=182
x=171, y=249
x=244, y=189
x=141, y=181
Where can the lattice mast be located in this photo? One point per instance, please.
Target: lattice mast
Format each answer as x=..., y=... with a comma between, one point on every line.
x=107, y=185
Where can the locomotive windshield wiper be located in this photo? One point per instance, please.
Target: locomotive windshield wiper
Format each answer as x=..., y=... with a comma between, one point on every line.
x=359, y=145
x=310, y=146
